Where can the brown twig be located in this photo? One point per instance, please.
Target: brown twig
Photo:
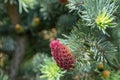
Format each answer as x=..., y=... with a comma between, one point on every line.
x=20, y=41
x=12, y=13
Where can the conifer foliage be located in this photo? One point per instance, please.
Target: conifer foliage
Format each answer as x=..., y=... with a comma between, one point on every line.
x=59, y=40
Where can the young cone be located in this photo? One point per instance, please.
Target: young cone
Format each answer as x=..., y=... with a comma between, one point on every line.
x=106, y=74
x=62, y=55
x=100, y=66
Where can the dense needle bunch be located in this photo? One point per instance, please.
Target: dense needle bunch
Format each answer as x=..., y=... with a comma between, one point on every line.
x=62, y=55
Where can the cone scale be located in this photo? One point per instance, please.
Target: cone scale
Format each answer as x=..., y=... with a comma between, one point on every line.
x=62, y=55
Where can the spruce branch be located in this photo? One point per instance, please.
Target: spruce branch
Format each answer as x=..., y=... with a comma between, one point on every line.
x=75, y=5
x=96, y=13
x=48, y=67
x=3, y=76
x=89, y=47
x=7, y=44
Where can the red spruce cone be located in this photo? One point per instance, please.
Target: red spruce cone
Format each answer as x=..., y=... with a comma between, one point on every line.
x=62, y=55
x=63, y=1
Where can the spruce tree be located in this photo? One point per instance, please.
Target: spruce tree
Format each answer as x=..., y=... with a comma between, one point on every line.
x=59, y=40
